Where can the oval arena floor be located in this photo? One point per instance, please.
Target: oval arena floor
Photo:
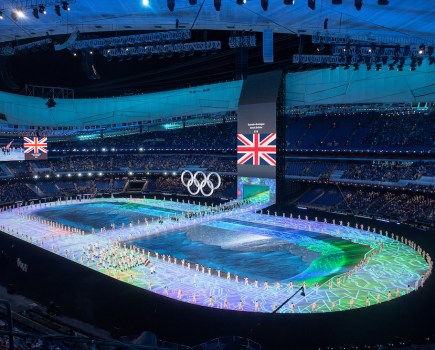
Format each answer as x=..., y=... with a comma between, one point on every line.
x=233, y=264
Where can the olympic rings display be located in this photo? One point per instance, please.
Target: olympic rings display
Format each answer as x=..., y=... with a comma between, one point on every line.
x=200, y=184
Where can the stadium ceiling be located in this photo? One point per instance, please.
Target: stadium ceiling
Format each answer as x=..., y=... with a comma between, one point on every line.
x=415, y=18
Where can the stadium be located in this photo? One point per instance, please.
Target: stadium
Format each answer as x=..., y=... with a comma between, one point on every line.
x=217, y=174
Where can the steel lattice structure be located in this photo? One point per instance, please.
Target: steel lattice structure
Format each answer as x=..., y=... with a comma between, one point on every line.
x=128, y=40
x=162, y=49
x=358, y=38
x=242, y=41
x=30, y=4
x=319, y=59
x=10, y=51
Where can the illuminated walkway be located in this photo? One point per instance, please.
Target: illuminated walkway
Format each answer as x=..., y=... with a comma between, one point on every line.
x=342, y=267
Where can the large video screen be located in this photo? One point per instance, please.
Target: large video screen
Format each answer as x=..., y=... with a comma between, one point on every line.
x=27, y=148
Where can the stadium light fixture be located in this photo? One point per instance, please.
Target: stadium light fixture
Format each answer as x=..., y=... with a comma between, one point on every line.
x=421, y=49
x=289, y=2
x=65, y=6
x=79, y=174
x=146, y=3
x=42, y=10
x=264, y=4
x=35, y=13
x=16, y=14
x=57, y=10
x=312, y=4
x=50, y=103
x=89, y=174
x=20, y=13
x=1, y=14
x=171, y=5
x=69, y=175
x=241, y=2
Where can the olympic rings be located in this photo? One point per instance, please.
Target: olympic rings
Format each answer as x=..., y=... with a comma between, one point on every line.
x=200, y=184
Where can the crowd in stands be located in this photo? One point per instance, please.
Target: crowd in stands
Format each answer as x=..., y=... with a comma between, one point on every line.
x=19, y=168
x=310, y=168
x=410, y=131
x=362, y=131
x=32, y=342
x=16, y=191
x=207, y=137
x=397, y=205
x=127, y=154
x=137, y=162
x=386, y=172
x=374, y=171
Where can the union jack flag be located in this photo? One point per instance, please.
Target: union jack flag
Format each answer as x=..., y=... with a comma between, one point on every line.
x=35, y=145
x=256, y=149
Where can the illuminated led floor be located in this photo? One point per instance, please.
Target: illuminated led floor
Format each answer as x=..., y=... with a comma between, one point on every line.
x=342, y=267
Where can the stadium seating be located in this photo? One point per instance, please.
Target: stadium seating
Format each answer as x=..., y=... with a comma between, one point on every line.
x=396, y=205
x=363, y=131
x=104, y=165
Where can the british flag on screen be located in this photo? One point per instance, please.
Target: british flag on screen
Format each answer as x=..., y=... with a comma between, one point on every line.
x=256, y=149
x=35, y=148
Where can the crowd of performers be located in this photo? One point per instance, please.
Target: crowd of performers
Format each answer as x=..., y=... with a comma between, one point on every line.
x=121, y=261
x=186, y=215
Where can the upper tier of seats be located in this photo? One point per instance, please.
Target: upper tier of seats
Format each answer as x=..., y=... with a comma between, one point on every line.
x=362, y=131
x=206, y=137
x=368, y=131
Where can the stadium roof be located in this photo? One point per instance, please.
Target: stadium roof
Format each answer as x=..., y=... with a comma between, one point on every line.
x=414, y=18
